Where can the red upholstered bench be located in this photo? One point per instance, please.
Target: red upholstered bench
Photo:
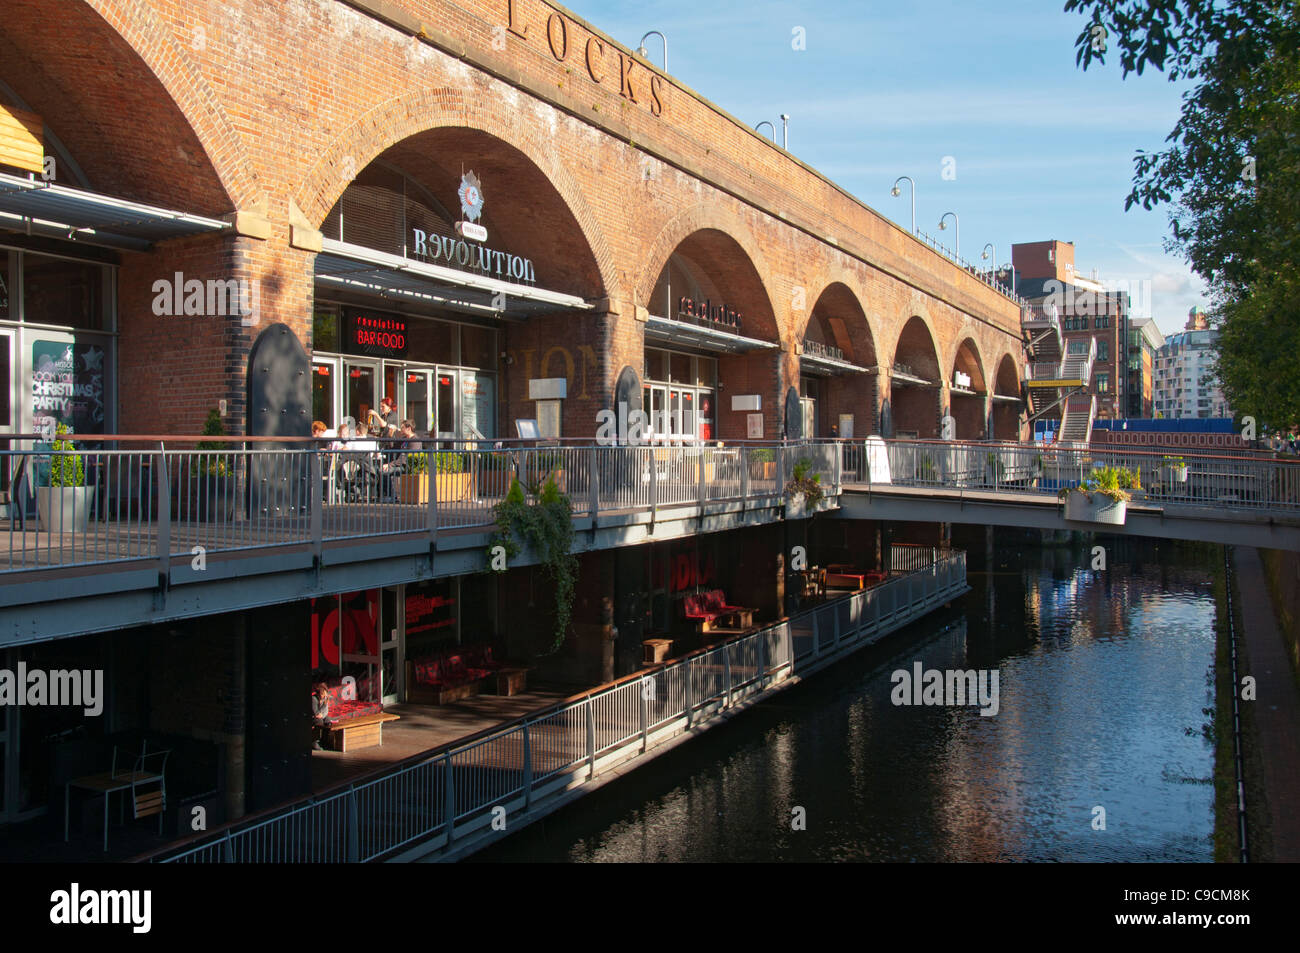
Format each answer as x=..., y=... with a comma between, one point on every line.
x=449, y=676
x=354, y=722
x=708, y=609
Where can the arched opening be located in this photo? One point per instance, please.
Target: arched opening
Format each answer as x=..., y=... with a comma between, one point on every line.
x=455, y=280
x=80, y=307
x=711, y=346
x=914, y=383
x=1006, y=401
x=838, y=368
x=967, y=394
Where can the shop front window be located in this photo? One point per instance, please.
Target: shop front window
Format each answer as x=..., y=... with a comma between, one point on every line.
x=62, y=292
x=68, y=386
x=322, y=394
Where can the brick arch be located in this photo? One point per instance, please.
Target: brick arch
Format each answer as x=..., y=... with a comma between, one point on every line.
x=1006, y=381
x=1007, y=361
x=175, y=70
x=700, y=218
x=979, y=382
x=424, y=110
x=933, y=338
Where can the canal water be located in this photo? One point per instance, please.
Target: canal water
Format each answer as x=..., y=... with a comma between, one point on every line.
x=1104, y=679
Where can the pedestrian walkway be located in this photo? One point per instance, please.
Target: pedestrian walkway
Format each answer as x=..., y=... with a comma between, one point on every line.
x=1277, y=711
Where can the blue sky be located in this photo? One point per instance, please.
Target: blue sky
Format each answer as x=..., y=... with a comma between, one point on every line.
x=1041, y=149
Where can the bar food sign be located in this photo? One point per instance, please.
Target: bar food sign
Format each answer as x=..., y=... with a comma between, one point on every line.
x=377, y=335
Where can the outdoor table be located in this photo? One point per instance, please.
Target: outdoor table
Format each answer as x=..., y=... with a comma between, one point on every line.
x=106, y=784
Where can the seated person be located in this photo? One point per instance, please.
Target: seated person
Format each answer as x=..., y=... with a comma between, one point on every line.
x=320, y=710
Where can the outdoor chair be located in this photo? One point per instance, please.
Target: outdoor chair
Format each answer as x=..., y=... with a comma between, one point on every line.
x=14, y=497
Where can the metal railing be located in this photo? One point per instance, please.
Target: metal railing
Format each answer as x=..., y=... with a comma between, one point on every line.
x=453, y=792
x=983, y=274
x=1226, y=480
x=161, y=503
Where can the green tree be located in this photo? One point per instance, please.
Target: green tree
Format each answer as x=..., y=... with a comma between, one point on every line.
x=1230, y=174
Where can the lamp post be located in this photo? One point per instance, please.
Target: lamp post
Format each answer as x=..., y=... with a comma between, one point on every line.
x=993, y=265
x=956, y=230
x=785, y=131
x=766, y=122
x=641, y=51
x=895, y=192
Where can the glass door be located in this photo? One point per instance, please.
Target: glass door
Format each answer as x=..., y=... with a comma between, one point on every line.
x=391, y=624
x=658, y=410
x=359, y=381
x=324, y=402
x=417, y=399
x=445, y=406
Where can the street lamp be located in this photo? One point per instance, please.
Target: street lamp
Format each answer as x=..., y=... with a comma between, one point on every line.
x=895, y=192
x=956, y=230
x=766, y=122
x=785, y=131
x=641, y=51
x=993, y=266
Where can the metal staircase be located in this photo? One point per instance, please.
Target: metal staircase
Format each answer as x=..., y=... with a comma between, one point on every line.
x=1053, y=377
x=1077, y=418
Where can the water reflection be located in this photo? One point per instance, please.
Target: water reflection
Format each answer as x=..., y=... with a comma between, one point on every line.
x=1103, y=676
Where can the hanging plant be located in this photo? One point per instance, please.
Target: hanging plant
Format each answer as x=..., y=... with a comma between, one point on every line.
x=801, y=484
x=544, y=523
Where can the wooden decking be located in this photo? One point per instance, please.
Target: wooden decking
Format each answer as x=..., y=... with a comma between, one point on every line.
x=425, y=727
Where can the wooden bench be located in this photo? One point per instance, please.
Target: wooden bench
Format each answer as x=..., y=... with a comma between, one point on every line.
x=364, y=731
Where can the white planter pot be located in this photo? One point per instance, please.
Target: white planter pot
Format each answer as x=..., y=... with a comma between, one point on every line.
x=796, y=507
x=63, y=509
x=1099, y=509
x=1173, y=474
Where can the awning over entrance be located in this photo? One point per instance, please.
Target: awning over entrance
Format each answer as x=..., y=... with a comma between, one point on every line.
x=35, y=207
x=815, y=363
x=903, y=377
x=666, y=331
x=355, y=268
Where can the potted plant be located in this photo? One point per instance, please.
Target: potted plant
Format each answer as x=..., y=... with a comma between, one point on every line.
x=1130, y=481
x=413, y=485
x=1173, y=469
x=454, y=480
x=63, y=505
x=210, y=483
x=1100, y=498
x=762, y=463
x=803, y=492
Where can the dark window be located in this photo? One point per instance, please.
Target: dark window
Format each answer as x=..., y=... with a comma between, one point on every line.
x=64, y=293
